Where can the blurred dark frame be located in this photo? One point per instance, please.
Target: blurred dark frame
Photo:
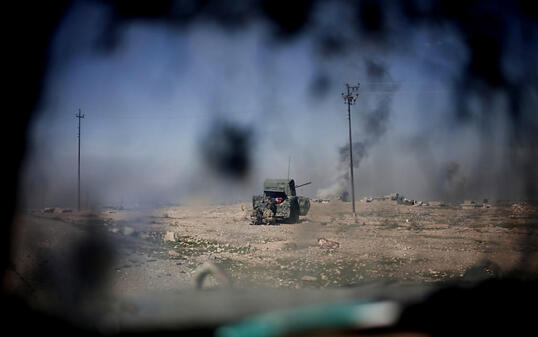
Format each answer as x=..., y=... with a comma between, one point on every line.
x=30, y=26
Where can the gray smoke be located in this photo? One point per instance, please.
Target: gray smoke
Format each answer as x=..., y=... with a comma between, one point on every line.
x=371, y=120
x=453, y=181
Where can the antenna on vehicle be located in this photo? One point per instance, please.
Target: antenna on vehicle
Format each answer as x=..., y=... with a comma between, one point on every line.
x=289, y=163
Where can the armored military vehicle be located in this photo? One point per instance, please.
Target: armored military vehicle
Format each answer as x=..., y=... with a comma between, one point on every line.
x=279, y=202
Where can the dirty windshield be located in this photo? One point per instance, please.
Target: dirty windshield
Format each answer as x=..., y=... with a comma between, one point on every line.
x=188, y=149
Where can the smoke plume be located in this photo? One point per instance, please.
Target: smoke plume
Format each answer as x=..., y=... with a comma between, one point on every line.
x=372, y=122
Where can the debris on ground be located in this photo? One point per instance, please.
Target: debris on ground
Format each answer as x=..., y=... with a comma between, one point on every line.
x=521, y=208
x=394, y=197
x=398, y=198
x=327, y=244
x=469, y=204
x=170, y=236
x=408, y=202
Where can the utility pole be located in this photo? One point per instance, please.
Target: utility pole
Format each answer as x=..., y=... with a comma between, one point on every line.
x=350, y=98
x=79, y=116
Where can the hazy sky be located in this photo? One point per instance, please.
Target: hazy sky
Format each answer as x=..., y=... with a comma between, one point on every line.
x=149, y=102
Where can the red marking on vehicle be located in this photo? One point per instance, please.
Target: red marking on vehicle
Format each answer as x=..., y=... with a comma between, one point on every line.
x=279, y=200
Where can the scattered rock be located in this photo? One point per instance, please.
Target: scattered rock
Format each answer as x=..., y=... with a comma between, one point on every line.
x=521, y=208
x=173, y=253
x=406, y=201
x=170, y=236
x=309, y=278
x=393, y=196
x=468, y=204
x=327, y=244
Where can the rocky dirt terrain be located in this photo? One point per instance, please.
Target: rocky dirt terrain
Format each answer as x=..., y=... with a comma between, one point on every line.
x=133, y=251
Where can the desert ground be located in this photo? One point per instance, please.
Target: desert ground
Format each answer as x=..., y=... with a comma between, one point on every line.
x=140, y=250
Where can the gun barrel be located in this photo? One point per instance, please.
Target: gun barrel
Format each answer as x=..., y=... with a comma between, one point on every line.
x=308, y=183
